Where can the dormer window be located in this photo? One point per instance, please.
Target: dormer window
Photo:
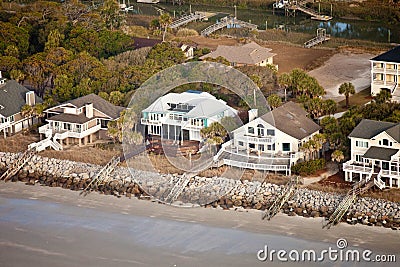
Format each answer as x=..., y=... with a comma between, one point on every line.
x=250, y=130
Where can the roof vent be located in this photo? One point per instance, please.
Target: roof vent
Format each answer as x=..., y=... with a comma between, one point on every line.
x=304, y=131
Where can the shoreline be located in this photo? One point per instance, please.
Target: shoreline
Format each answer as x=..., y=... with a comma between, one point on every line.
x=379, y=239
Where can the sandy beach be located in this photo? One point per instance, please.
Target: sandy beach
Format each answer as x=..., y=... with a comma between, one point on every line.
x=42, y=226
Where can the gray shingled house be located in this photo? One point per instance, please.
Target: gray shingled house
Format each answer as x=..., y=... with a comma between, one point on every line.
x=13, y=97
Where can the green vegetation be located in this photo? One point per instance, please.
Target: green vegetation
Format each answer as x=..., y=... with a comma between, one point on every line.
x=308, y=167
x=347, y=89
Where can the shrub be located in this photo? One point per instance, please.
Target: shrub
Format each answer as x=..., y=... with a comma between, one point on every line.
x=184, y=32
x=308, y=167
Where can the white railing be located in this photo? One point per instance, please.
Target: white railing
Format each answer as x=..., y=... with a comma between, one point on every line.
x=4, y=125
x=349, y=166
x=186, y=19
x=255, y=139
x=390, y=173
x=147, y=121
x=378, y=182
x=42, y=145
x=223, y=147
x=256, y=166
x=61, y=136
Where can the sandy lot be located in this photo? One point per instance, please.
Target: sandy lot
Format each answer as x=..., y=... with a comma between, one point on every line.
x=344, y=67
x=287, y=56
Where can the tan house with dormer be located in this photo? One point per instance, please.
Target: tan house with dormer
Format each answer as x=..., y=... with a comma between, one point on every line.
x=79, y=121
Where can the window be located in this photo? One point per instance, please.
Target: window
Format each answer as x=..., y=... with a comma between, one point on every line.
x=271, y=132
x=285, y=147
x=250, y=130
x=240, y=143
x=261, y=147
x=260, y=130
x=271, y=147
x=362, y=144
x=359, y=158
x=252, y=145
x=385, y=142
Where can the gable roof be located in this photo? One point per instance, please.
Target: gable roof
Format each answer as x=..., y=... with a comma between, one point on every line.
x=380, y=153
x=389, y=56
x=99, y=103
x=367, y=129
x=250, y=53
x=13, y=98
x=291, y=119
x=145, y=42
x=394, y=132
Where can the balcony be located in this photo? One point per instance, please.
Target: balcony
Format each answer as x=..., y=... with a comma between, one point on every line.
x=391, y=71
x=60, y=135
x=149, y=122
x=4, y=125
x=258, y=140
x=354, y=167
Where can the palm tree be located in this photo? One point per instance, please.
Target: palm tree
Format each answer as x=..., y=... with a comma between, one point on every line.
x=164, y=20
x=215, y=133
x=27, y=112
x=330, y=106
x=383, y=97
x=347, y=89
x=337, y=156
x=274, y=100
x=285, y=80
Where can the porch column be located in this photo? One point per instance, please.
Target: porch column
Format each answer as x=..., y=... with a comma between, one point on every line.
x=67, y=141
x=91, y=138
x=351, y=177
x=390, y=181
x=85, y=140
x=79, y=142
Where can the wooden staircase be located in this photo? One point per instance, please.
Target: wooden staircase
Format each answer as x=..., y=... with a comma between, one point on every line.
x=286, y=194
x=178, y=188
x=349, y=199
x=103, y=176
x=186, y=19
x=18, y=164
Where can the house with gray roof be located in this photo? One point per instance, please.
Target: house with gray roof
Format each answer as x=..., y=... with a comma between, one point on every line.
x=270, y=142
x=251, y=54
x=385, y=73
x=13, y=97
x=181, y=116
x=375, y=153
x=78, y=121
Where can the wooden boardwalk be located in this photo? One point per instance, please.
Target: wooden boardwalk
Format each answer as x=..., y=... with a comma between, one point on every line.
x=228, y=22
x=319, y=39
x=186, y=19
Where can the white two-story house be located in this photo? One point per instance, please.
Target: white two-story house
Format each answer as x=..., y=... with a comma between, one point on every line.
x=13, y=97
x=385, y=73
x=270, y=142
x=181, y=116
x=79, y=121
x=375, y=153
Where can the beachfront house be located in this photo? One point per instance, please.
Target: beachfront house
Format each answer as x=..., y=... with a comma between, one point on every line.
x=79, y=121
x=270, y=142
x=385, y=73
x=181, y=116
x=13, y=97
x=251, y=54
x=375, y=153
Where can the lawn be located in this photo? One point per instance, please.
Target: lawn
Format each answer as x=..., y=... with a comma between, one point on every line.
x=358, y=99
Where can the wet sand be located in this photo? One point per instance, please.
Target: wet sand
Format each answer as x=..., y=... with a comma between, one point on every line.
x=42, y=226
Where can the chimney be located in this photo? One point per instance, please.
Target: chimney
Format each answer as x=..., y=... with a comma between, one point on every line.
x=253, y=113
x=30, y=98
x=89, y=110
